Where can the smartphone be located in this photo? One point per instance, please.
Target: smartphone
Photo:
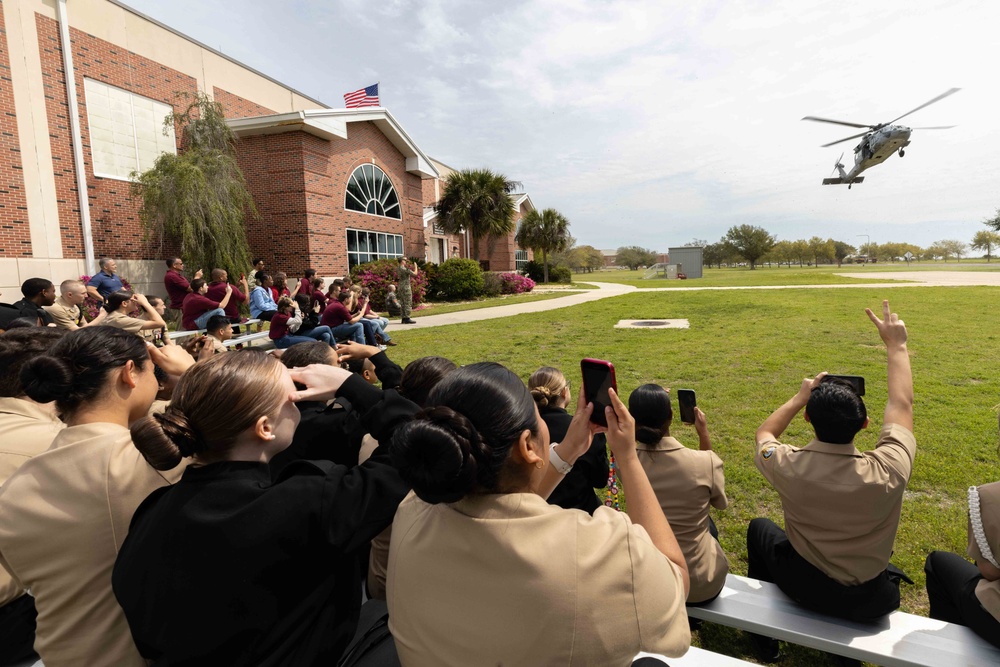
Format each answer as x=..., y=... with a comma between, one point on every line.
x=855, y=381
x=687, y=402
x=598, y=377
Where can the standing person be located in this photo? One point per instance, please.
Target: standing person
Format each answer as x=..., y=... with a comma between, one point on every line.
x=550, y=390
x=405, y=291
x=177, y=287
x=338, y=317
x=66, y=511
x=687, y=482
x=217, y=290
x=198, y=308
x=66, y=311
x=476, y=529
x=120, y=304
x=38, y=294
x=286, y=322
x=262, y=305
x=105, y=281
x=841, y=506
x=266, y=573
x=258, y=267
x=28, y=429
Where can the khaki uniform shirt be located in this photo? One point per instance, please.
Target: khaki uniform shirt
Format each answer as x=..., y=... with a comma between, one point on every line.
x=842, y=506
x=120, y=321
x=28, y=429
x=988, y=592
x=65, y=315
x=63, y=517
x=511, y=580
x=687, y=482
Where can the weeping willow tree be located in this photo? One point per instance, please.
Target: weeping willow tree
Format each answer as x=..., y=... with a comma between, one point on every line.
x=198, y=198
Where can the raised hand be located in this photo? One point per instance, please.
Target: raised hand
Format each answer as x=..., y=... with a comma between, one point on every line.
x=891, y=329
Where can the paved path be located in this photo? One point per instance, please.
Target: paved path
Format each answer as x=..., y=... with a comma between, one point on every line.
x=608, y=290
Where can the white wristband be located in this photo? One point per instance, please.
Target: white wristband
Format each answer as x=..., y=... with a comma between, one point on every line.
x=560, y=466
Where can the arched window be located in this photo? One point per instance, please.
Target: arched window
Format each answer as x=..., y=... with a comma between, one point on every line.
x=369, y=190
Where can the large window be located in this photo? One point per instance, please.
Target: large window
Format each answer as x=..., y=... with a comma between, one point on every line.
x=369, y=190
x=126, y=130
x=363, y=247
x=520, y=259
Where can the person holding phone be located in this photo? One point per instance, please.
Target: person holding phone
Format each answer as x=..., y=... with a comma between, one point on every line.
x=841, y=506
x=687, y=483
x=481, y=565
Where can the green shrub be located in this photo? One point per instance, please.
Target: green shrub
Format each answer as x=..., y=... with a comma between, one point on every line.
x=378, y=275
x=458, y=279
x=557, y=274
x=492, y=284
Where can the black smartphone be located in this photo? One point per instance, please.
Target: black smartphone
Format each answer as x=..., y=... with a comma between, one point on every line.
x=855, y=381
x=598, y=377
x=687, y=402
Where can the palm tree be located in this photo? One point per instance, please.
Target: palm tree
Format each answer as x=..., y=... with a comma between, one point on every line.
x=477, y=201
x=544, y=232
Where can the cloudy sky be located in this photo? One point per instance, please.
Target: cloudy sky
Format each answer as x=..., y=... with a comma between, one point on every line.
x=658, y=122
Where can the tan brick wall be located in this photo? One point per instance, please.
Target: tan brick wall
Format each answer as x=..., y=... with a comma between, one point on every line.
x=15, y=235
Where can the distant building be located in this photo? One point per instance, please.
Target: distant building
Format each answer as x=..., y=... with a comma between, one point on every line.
x=610, y=257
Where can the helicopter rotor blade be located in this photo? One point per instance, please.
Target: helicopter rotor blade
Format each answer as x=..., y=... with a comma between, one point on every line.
x=937, y=127
x=926, y=104
x=840, y=141
x=835, y=122
x=837, y=164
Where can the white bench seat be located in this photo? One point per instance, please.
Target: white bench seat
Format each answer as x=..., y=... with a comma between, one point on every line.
x=247, y=339
x=698, y=657
x=898, y=640
x=195, y=332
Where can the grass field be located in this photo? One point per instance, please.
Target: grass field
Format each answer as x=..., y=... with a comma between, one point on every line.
x=444, y=307
x=733, y=277
x=746, y=353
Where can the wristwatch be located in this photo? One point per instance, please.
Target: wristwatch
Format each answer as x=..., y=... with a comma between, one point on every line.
x=560, y=466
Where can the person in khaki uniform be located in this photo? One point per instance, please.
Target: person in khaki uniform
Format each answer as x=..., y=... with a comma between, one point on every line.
x=66, y=312
x=28, y=430
x=967, y=594
x=841, y=506
x=120, y=304
x=482, y=570
x=65, y=512
x=687, y=482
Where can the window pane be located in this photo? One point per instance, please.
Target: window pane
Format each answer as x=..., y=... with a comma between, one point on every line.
x=362, y=242
x=352, y=240
x=373, y=244
x=378, y=184
x=382, y=250
x=356, y=199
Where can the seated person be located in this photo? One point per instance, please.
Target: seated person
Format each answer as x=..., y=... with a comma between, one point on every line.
x=841, y=506
x=481, y=565
x=219, y=329
x=217, y=291
x=38, y=294
x=306, y=282
x=66, y=311
x=120, y=304
x=28, y=429
x=318, y=294
x=264, y=573
x=687, y=482
x=287, y=321
x=374, y=331
x=198, y=308
x=262, y=305
x=310, y=315
x=551, y=392
x=155, y=336
x=338, y=317
x=392, y=304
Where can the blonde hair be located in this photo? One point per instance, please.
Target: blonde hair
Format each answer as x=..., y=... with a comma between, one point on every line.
x=547, y=385
x=214, y=402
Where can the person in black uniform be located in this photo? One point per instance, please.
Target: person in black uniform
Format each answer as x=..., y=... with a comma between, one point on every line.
x=551, y=392
x=228, y=568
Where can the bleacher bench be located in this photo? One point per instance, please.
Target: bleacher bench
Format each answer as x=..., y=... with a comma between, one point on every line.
x=698, y=657
x=174, y=335
x=246, y=339
x=898, y=640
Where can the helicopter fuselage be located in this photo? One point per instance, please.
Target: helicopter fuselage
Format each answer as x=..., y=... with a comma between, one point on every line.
x=876, y=147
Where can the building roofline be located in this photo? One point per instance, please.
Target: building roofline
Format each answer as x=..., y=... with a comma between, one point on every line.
x=132, y=10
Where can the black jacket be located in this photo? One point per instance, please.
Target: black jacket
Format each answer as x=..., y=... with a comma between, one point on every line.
x=590, y=471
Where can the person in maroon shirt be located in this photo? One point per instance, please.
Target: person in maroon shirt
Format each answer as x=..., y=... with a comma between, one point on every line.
x=217, y=290
x=288, y=318
x=339, y=319
x=177, y=287
x=198, y=308
x=306, y=282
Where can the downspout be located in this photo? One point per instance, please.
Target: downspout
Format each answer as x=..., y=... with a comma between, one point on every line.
x=74, y=124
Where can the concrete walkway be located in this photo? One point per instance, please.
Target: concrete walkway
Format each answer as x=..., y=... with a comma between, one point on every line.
x=608, y=290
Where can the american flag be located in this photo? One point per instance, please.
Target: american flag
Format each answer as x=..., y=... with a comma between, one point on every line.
x=366, y=97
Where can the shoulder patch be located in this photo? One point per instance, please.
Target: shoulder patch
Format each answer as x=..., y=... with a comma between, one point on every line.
x=768, y=452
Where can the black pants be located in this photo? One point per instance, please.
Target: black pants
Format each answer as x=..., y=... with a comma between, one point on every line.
x=772, y=558
x=951, y=589
x=17, y=630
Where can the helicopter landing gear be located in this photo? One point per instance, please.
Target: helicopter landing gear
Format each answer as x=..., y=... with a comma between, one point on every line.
x=901, y=152
x=849, y=185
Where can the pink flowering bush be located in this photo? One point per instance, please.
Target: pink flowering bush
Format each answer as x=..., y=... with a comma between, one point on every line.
x=378, y=275
x=515, y=283
x=91, y=306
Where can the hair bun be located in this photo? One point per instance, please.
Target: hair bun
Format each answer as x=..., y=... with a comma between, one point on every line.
x=647, y=435
x=436, y=454
x=47, y=378
x=176, y=426
x=541, y=395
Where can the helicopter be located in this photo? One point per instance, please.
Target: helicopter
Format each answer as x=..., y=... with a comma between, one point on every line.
x=880, y=141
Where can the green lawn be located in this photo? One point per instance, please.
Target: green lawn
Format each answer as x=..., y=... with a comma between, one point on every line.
x=444, y=307
x=727, y=277
x=746, y=353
